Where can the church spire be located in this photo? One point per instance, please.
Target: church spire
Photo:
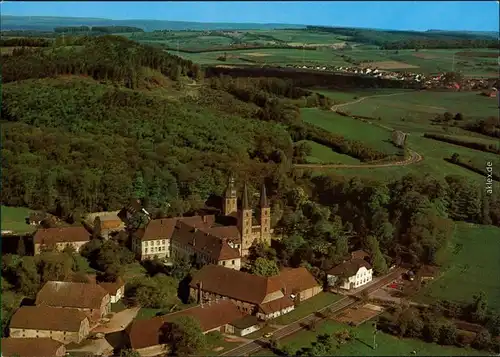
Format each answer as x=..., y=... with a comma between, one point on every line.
x=230, y=190
x=244, y=200
x=263, y=197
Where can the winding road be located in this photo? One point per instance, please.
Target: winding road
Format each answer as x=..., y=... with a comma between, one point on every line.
x=414, y=156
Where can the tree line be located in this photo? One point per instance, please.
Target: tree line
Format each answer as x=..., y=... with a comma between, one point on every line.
x=465, y=143
x=394, y=40
x=24, y=42
x=97, y=29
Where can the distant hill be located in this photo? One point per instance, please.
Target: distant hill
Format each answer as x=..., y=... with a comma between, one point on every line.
x=494, y=34
x=48, y=23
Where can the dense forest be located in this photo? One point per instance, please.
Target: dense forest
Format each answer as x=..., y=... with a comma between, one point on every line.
x=103, y=58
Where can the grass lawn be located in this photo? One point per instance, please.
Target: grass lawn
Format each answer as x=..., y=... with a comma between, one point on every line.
x=146, y=313
x=387, y=345
x=132, y=271
x=352, y=129
x=14, y=219
x=307, y=307
x=321, y=154
x=474, y=256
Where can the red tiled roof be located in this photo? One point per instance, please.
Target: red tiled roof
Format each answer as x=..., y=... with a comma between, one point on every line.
x=69, y=294
x=296, y=280
x=47, y=318
x=235, y=284
x=145, y=333
x=349, y=268
x=276, y=305
x=30, y=347
x=163, y=228
x=113, y=287
x=202, y=242
x=228, y=232
x=50, y=236
x=359, y=254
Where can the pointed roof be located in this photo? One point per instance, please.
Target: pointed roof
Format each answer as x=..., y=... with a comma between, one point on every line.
x=263, y=197
x=230, y=190
x=244, y=200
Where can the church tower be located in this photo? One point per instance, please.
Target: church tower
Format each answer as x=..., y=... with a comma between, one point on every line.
x=245, y=222
x=265, y=217
x=230, y=199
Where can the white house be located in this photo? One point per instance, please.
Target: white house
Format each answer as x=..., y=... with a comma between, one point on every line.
x=353, y=273
x=116, y=290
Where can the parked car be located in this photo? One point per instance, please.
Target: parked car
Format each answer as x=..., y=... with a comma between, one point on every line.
x=267, y=335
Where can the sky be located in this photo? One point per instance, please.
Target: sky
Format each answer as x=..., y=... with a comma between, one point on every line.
x=398, y=15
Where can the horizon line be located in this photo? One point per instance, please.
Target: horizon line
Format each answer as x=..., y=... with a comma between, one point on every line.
x=243, y=22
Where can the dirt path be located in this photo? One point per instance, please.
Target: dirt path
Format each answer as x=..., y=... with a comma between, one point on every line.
x=336, y=107
x=414, y=156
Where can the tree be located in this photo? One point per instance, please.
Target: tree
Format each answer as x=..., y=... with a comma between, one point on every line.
x=265, y=267
x=129, y=353
x=455, y=158
x=448, y=333
x=157, y=292
x=54, y=266
x=378, y=260
x=185, y=336
x=482, y=340
x=139, y=187
x=479, y=308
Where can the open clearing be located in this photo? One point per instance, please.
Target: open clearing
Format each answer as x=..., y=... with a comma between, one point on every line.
x=14, y=219
x=389, y=65
x=357, y=315
x=321, y=154
x=473, y=264
x=387, y=345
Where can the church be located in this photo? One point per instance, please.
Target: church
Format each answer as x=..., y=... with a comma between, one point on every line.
x=204, y=241
x=251, y=229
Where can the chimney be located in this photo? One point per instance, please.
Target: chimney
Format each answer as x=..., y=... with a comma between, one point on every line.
x=204, y=218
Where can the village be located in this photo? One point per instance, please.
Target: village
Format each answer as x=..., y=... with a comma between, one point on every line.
x=225, y=296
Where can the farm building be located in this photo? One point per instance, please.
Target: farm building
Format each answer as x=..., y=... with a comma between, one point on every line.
x=32, y=347
x=65, y=325
x=148, y=336
x=352, y=274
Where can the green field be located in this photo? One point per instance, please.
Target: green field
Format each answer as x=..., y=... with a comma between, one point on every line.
x=387, y=345
x=307, y=307
x=412, y=112
x=321, y=154
x=14, y=219
x=474, y=262
x=375, y=137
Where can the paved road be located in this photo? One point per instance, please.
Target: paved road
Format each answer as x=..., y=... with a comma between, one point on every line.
x=337, y=307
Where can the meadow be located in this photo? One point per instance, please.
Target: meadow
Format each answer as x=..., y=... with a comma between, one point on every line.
x=362, y=345
x=473, y=264
x=352, y=129
x=14, y=219
x=411, y=112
